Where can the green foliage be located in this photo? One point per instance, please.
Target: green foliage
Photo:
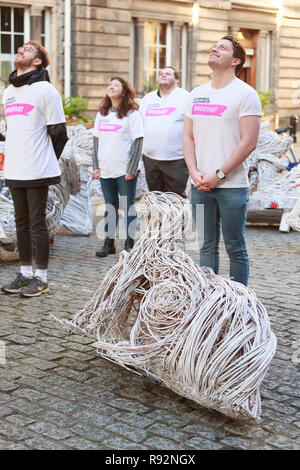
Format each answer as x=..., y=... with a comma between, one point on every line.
x=148, y=88
x=264, y=98
x=74, y=107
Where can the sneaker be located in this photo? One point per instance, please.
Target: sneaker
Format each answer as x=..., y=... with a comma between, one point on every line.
x=35, y=288
x=129, y=244
x=15, y=286
x=107, y=249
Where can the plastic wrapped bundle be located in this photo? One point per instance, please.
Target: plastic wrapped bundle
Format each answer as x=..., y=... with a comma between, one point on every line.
x=283, y=193
x=7, y=219
x=293, y=217
x=58, y=197
x=265, y=158
x=8, y=249
x=80, y=137
x=78, y=213
x=267, y=190
x=59, y=194
x=204, y=337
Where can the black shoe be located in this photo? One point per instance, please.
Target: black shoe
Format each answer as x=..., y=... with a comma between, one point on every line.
x=129, y=244
x=15, y=286
x=107, y=249
x=35, y=288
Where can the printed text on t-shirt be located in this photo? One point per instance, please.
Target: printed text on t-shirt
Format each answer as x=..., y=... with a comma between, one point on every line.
x=109, y=127
x=208, y=109
x=159, y=111
x=21, y=109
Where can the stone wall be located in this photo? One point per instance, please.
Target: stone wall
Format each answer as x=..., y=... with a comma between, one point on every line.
x=211, y=26
x=107, y=39
x=57, y=33
x=100, y=46
x=289, y=65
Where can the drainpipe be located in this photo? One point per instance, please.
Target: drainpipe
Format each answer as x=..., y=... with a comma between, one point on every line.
x=67, y=49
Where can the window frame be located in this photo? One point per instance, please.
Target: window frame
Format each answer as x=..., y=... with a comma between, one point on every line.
x=45, y=37
x=167, y=46
x=10, y=57
x=183, y=55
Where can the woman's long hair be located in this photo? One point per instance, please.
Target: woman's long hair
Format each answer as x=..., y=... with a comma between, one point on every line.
x=128, y=100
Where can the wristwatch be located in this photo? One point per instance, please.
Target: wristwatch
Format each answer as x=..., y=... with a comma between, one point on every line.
x=220, y=174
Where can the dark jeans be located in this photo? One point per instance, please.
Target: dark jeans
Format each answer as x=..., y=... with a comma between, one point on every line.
x=226, y=207
x=166, y=175
x=30, y=216
x=112, y=188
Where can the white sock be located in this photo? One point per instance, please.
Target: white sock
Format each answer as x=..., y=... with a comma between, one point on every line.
x=26, y=271
x=42, y=273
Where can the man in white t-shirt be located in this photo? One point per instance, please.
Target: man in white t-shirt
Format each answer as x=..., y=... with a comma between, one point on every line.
x=163, y=113
x=221, y=130
x=35, y=138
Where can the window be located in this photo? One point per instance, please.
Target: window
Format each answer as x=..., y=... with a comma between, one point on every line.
x=11, y=37
x=157, y=39
x=45, y=29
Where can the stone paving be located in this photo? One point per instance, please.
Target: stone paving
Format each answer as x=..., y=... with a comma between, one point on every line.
x=57, y=393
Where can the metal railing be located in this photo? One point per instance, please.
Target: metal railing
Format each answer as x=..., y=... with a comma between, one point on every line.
x=291, y=128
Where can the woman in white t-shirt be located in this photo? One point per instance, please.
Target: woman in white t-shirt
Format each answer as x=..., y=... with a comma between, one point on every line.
x=118, y=140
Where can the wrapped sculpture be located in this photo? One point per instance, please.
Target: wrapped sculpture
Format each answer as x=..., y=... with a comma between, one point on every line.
x=58, y=197
x=204, y=337
x=264, y=161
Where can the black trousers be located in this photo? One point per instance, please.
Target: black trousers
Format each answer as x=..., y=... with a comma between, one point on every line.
x=166, y=175
x=30, y=216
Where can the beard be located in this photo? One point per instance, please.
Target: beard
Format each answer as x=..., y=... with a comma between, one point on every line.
x=167, y=85
x=22, y=62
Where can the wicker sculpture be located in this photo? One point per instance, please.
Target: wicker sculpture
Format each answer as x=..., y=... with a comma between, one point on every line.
x=204, y=337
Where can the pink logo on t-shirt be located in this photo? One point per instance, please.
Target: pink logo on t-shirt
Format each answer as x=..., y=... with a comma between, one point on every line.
x=18, y=109
x=109, y=127
x=159, y=111
x=208, y=109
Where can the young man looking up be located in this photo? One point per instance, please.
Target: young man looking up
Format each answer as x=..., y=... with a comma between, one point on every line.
x=221, y=129
x=36, y=135
x=163, y=116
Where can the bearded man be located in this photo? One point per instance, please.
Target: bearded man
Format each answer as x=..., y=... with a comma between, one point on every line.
x=36, y=136
x=163, y=113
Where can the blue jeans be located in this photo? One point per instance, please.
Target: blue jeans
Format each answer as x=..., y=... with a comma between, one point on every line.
x=112, y=188
x=226, y=207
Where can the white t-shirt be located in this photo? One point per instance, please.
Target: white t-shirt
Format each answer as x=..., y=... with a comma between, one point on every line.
x=163, y=124
x=216, y=114
x=115, y=140
x=29, y=152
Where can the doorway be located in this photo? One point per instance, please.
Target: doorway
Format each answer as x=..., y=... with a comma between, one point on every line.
x=248, y=39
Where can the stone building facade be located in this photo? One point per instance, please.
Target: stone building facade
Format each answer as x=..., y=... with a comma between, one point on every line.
x=135, y=38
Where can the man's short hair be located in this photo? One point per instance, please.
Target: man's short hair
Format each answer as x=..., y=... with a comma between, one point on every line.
x=239, y=52
x=176, y=73
x=41, y=53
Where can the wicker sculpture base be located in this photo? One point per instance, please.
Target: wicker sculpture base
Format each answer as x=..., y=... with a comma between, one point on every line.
x=204, y=337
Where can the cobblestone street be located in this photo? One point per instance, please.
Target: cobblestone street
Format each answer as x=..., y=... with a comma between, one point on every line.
x=57, y=393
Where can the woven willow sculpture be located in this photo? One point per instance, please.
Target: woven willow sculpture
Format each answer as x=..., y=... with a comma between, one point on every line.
x=204, y=337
